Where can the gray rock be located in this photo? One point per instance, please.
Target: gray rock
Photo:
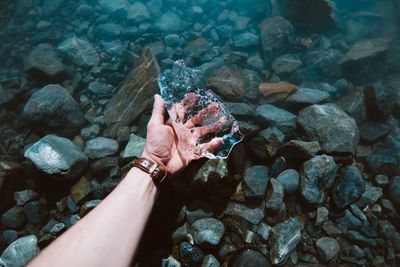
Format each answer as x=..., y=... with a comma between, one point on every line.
x=250, y=257
x=207, y=232
x=305, y=96
x=371, y=195
x=274, y=116
x=171, y=40
x=80, y=52
x=276, y=35
x=169, y=22
x=99, y=88
x=372, y=132
x=180, y=234
x=21, y=251
x=21, y=197
x=197, y=210
x=210, y=261
x=349, y=187
x=331, y=126
x=328, y=248
x=264, y=230
x=245, y=40
x=53, y=109
x=59, y=156
x=286, y=64
x=240, y=110
x=138, y=13
x=290, y=180
x=275, y=196
x=9, y=236
x=322, y=215
x=255, y=181
x=108, y=31
x=90, y=132
x=284, y=239
x=170, y=262
x=317, y=176
x=35, y=212
x=43, y=63
x=211, y=172
x=252, y=214
x=13, y=218
x=51, y=6
x=190, y=255
x=100, y=147
x=115, y=7
x=135, y=146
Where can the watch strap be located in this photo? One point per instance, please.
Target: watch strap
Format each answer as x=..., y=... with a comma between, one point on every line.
x=156, y=171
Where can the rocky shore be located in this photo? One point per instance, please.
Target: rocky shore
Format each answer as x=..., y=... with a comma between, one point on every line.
x=315, y=86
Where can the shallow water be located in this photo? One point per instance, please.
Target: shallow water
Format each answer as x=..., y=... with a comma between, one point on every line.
x=313, y=84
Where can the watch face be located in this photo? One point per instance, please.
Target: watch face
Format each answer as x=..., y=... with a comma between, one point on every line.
x=202, y=123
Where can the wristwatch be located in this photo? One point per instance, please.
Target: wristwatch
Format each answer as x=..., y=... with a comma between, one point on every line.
x=156, y=171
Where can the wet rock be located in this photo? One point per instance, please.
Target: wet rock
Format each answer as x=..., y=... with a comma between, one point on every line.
x=170, y=262
x=360, y=239
x=44, y=63
x=36, y=212
x=264, y=231
x=9, y=236
x=135, y=146
x=311, y=15
x=386, y=160
x=372, y=132
x=21, y=251
x=380, y=100
x=138, y=13
x=254, y=8
x=349, y=187
x=394, y=190
x=211, y=172
x=354, y=105
x=51, y=6
x=135, y=95
x=169, y=22
x=250, y=257
x=80, y=52
x=115, y=7
x=289, y=179
x=255, y=181
x=240, y=110
x=317, y=176
x=252, y=214
x=322, y=215
x=276, y=92
x=245, y=40
x=228, y=81
x=286, y=64
x=197, y=210
x=90, y=132
x=275, y=196
x=331, y=126
x=210, y=261
x=81, y=190
x=108, y=31
x=328, y=248
x=180, y=233
x=21, y=197
x=274, y=116
x=13, y=218
x=284, y=239
x=190, y=255
x=57, y=156
x=88, y=206
x=371, y=195
x=100, y=147
x=99, y=88
x=53, y=109
x=363, y=61
x=303, y=97
x=207, y=232
x=276, y=35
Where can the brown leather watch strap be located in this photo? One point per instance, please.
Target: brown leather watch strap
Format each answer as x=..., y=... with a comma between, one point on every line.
x=156, y=170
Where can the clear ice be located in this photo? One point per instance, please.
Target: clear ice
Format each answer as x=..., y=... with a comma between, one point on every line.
x=203, y=125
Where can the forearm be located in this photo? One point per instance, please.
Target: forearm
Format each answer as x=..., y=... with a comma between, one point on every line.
x=109, y=235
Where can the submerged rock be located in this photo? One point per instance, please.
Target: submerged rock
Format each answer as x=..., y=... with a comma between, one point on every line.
x=286, y=64
x=250, y=257
x=21, y=251
x=207, y=232
x=255, y=181
x=135, y=94
x=57, y=156
x=52, y=109
x=100, y=147
x=285, y=238
x=169, y=22
x=13, y=218
x=135, y=146
x=331, y=126
x=80, y=52
x=349, y=187
x=328, y=248
x=43, y=63
x=317, y=176
x=274, y=116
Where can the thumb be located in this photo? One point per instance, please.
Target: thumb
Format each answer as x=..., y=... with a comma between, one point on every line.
x=157, y=116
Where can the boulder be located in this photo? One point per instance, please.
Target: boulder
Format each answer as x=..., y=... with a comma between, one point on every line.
x=44, y=64
x=316, y=177
x=80, y=52
x=57, y=156
x=135, y=95
x=336, y=132
x=52, y=109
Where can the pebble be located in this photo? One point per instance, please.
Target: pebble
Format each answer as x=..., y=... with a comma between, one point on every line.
x=255, y=181
x=13, y=218
x=36, y=212
x=289, y=179
x=210, y=261
x=207, y=232
x=349, y=187
x=21, y=197
x=250, y=257
x=328, y=248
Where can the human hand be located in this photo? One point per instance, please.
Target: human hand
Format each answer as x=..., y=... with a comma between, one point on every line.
x=176, y=146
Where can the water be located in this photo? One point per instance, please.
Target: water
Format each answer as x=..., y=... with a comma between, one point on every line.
x=300, y=78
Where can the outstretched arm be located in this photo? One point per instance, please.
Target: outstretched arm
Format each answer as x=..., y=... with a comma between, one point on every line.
x=109, y=234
